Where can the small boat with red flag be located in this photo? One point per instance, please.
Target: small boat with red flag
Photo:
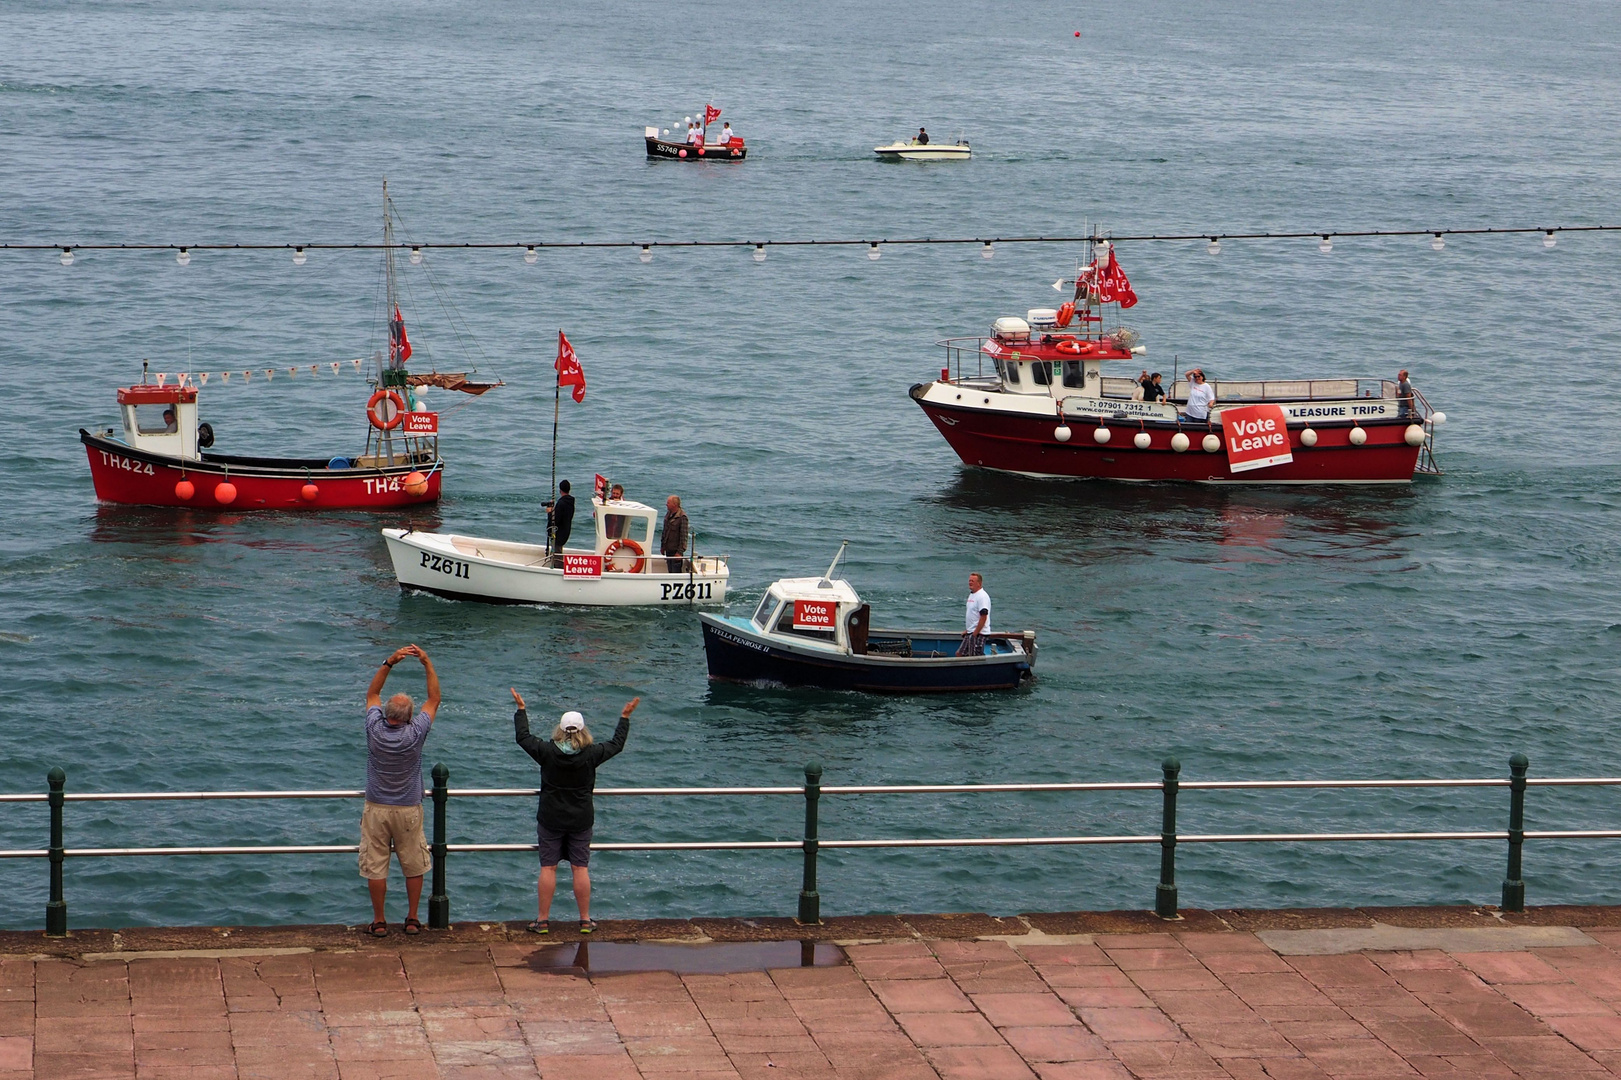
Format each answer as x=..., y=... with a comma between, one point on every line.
x=675, y=145
x=1052, y=395
x=163, y=456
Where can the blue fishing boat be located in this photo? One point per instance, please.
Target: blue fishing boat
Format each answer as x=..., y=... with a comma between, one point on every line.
x=817, y=632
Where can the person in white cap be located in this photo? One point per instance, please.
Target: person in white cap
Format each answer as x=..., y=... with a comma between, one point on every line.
x=568, y=774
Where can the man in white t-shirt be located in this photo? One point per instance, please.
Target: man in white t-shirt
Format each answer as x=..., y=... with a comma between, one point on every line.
x=726, y=135
x=977, y=618
x=1200, y=398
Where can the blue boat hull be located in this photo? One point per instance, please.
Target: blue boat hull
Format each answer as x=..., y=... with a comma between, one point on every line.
x=738, y=656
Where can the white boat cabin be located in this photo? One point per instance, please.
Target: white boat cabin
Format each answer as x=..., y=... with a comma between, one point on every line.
x=160, y=419
x=624, y=536
x=814, y=611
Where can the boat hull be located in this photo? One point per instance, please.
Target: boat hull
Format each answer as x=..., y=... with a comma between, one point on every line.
x=140, y=478
x=931, y=152
x=1026, y=443
x=673, y=151
x=501, y=572
x=736, y=655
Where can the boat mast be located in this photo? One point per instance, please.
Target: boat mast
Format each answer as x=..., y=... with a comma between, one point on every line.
x=827, y=578
x=393, y=374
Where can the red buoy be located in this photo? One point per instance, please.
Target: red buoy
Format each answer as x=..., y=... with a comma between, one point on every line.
x=416, y=483
x=681, y=153
x=309, y=492
x=1077, y=33
x=185, y=490
x=225, y=493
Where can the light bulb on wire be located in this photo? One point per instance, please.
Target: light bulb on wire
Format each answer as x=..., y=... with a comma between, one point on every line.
x=1214, y=247
x=416, y=255
x=183, y=257
x=759, y=253
x=1549, y=239
x=647, y=254
x=298, y=256
x=530, y=254
x=988, y=251
x=873, y=253
x=1437, y=242
x=67, y=256
x=1326, y=246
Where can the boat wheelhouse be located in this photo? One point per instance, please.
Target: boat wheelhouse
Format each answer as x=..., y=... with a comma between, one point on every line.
x=616, y=571
x=817, y=632
x=1054, y=394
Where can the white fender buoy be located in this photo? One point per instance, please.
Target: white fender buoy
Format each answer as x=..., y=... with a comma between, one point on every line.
x=1358, y=436
x=1142, y=440
x=1061, y=433
x=1438, y=418
x=1308, y=438
x=1179, y=443
x=1211, y=444
x=1101, y=435
x=1414, y=434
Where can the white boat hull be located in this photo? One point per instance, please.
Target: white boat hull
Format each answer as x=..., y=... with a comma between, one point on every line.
x=931, y=152
x=504, y=572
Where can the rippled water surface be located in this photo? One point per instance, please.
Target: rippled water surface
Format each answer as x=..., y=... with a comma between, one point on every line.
x=1265, y=633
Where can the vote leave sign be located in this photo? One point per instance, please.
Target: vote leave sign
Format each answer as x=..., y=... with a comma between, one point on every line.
x=814, y=614
x=1257, y=437
x=421, y=423
x=582, y=565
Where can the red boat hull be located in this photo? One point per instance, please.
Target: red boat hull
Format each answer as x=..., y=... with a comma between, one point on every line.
x=1027, y=444
x=136, y=478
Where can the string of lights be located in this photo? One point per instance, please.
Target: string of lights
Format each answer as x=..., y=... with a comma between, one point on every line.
x=531, y=249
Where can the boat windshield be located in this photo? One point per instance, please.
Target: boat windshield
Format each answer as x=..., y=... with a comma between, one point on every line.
x=762, y=614
x=785, y=625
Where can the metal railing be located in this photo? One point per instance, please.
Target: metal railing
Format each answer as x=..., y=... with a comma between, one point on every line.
x=810, y=844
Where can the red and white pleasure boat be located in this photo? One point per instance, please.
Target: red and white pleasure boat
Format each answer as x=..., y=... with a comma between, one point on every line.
x=1053, y=394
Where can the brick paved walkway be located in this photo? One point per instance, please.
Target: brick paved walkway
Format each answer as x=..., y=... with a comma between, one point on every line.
x=1188, y=1004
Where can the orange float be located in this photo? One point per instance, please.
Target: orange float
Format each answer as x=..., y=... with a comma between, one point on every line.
x=225, y=493
x=619, y=545
x=415, y=483
x=185, y=490
x=1066, y=313
x=378, y=417
x=309, y=492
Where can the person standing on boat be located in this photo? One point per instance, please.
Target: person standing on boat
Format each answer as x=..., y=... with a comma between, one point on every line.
x=560, y=517
x=922, y=137
x=392, y=818
x=674, y=536
x=615, y=525
x=692, y=134
x=1152, y=390
x=977, y=622
x=726, y=135
x=1404, y=395
x=1200, y=398
x=568, y=774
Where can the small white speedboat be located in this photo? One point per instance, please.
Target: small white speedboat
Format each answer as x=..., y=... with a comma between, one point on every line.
x=616, y=572
x=916, y=151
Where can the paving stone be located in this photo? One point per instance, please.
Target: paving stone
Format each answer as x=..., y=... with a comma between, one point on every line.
x=1023, y=1010
x=948, y=1029
x=1487, y=1019
x=1103, y=997
x=1542, y=1055
x=587, y=1067
x=1140, y=959
x=1082, y=1070
x=1073, y=955
x=1589, y=1032
x=1461, y=1067
x=1351, y=970
x=1555, y=999
x=979, y=1063
x=1274, y=988
x=176, y=1048
x=415, y=1069
x=1203, y=1005
x=84, y=1035
x=1195, y=978
x=735, y=1044
x=1238, y=1040
x=16, y=1053
x=1271, y=1068
x=1412, y=960
x=85, y=1066
x=1130, y=1025
x=781, y=1064
x=1102, y=975
x=921, y=995
x=1181, y=1059
x=1051, y=1043
x=1352, y=1057
x=1440, y=981
x=796, y=983
x=1510, y=967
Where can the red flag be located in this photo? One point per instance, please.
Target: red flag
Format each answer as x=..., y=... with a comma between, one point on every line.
x=1113, y=286
x=601, y=488
x=569, y=371
x=399, y=346
x=711, y=114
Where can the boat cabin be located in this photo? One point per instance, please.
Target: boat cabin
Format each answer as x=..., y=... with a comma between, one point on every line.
x=1034, y=356
x=160, y=419
x=624, y=535
x=815, y=611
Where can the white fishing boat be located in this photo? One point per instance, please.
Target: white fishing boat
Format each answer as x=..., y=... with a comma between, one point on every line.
x=916, y=151
x=616, y=571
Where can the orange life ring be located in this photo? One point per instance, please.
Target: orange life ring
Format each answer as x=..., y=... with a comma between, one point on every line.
x=1070, y=346
x=374, y=414
x=1066, y=313
x=626, y=542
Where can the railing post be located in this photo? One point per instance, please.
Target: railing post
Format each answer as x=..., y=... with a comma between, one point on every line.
x=56, y=910
x=810, y=901
x=438, y=902
x=1513, y=885
x=1165, y=891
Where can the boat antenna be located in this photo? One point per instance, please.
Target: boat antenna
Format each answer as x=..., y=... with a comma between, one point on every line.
x=827, y=578
x=557, y=400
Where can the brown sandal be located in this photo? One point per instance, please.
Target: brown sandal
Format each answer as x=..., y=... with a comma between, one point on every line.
x=412, y=927
x=378, y=929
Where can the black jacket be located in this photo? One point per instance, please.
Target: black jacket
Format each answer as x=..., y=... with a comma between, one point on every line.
x=567, y=780
x=560, y=516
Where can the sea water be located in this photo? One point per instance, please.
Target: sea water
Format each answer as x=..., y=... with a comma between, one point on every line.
x=1422, y=631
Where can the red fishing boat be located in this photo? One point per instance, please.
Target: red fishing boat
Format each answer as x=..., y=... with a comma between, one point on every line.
x=1051, y=395
x=163, y=456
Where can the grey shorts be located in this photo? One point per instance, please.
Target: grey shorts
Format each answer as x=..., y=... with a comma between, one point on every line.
x=573, y=848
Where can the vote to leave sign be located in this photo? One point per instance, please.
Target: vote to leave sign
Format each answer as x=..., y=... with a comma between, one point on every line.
x=1257, y=437
x=421, y=423
x=582, y=565
x=814, y=614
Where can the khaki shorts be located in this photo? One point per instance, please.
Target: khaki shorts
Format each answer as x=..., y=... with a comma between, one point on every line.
x=399, y=828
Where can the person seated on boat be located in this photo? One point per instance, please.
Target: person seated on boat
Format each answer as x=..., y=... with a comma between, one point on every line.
x=978, y=618
x=674, y=536
x=1138, y=386
x=1152, y=390
x=170, y=424
x=922, y=137
x=1404, y=395
x=727, y=136
x=1200, y=398
x=560, y=517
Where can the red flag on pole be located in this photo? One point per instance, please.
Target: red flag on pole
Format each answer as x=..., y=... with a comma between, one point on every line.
x=601, y=488
x=711, y=114
x=569, y=371
x=1113, y=286
x=399, y=346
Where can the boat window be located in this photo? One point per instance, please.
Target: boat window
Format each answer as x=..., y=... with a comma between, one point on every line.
x=785, y=625
x=1012, y=373
x=641, y=529
x=156, y=419
x=762, y=614
x=1042, y=372
x=1074, y=374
